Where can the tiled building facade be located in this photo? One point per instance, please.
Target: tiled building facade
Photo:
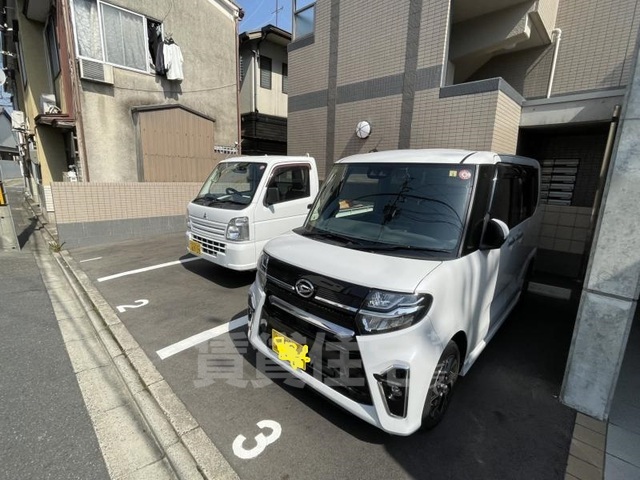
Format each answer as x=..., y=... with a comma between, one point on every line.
x=502, y=75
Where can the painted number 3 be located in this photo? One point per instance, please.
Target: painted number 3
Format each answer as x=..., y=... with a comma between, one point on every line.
x=261, y=440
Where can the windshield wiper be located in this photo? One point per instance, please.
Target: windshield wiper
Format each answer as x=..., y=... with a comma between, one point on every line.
x=346, y=241
x=391, y=248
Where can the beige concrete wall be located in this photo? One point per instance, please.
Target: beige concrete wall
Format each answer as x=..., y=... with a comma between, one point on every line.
x=94, y=202
x=548, y=11
x=51, y=154
x=207, y=38
x=564, y=228
x=273, y=102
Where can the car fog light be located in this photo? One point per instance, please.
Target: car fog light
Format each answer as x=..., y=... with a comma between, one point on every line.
x=394, y=386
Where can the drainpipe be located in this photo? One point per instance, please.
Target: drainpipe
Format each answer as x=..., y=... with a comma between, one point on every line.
x=557, y=33
x=254, y=87
x=608, y=151
x=237, y=17
x=606, y=160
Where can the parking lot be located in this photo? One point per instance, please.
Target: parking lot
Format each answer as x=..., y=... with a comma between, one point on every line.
x=505, y=420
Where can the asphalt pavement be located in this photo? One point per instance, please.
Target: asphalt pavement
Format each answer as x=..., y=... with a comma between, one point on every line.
x=46, y=432
x=505, y=420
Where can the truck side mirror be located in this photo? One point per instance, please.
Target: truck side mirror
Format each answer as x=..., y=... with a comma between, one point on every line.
x=495, y=234
x=273, y=196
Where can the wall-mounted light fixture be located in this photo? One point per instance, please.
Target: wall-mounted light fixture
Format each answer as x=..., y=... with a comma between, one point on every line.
x=363, y=129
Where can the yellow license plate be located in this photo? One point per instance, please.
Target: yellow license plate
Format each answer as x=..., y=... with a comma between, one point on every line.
x=289, y=350
x=195, y=247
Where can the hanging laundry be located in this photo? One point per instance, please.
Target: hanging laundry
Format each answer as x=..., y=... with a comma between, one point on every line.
x=173, y=61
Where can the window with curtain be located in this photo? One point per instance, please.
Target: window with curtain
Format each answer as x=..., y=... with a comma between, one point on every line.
x=124, y=39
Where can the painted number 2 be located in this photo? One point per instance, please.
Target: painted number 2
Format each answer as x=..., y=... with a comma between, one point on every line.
x=261, y=440
x=139, y=303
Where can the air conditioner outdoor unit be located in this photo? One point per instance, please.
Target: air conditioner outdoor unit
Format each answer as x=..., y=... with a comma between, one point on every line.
x=96, y=71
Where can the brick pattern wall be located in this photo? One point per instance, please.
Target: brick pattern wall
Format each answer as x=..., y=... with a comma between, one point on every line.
x=505, y=132
x=466, y=121
x=598, y=40
x=308, y=66
x=433, y=32
x=94, y=202
x=380, y=52
x=548, y=11
x=307, y=133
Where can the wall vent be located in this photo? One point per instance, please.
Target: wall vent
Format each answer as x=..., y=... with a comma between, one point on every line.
x=96, y=71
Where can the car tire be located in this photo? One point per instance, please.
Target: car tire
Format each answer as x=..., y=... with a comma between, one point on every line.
x=441, y=386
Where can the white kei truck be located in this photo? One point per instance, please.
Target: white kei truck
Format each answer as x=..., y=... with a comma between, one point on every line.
x=245, y=202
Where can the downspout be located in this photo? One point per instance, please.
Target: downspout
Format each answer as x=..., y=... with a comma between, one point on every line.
x=557, y=33
x=254, y=73
x=608, y=151
x=606, y=160
x=236, y=20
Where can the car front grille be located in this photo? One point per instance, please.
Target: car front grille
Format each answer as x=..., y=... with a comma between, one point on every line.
x=210, y=246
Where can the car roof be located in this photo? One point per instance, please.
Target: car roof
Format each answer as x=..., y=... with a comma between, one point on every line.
x=438, y=155
x=270, y=159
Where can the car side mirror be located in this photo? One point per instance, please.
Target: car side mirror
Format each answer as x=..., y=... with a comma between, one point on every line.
x=495, y=234
x=273, y=196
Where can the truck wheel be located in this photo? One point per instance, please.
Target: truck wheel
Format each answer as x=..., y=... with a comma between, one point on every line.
x=441, y=386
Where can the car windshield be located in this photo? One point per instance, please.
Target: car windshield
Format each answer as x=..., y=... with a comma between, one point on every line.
x=231, y=182
x=409, y=209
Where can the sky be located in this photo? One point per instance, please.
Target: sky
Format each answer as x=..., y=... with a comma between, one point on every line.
x=258, y=13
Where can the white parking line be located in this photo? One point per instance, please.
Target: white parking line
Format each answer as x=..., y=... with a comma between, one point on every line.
x=198, y=338
x=146, y=269
x=91, y=259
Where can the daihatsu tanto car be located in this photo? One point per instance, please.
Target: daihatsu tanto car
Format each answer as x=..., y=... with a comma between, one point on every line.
x=407, y=264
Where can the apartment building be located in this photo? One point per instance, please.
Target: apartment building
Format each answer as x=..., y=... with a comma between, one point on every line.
x=264, y=81
x=118, y=102
x=549, y=79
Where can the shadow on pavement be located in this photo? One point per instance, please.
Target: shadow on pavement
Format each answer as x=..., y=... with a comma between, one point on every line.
x=219, y=275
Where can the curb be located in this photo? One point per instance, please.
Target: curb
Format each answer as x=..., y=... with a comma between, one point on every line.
x=187, y=447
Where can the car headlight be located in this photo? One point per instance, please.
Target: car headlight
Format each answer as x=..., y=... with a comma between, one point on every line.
x=384, y=312
x=238, y=229
x=188, y=221
x=261, y=275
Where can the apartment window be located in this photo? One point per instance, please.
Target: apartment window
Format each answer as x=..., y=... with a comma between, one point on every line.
x=304, y=15
x=111, y=34
x=285, y=78
x=265, y=72
x=52, y=48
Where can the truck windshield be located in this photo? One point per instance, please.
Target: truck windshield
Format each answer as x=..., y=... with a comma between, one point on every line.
x=408, y=209
x=231, y=182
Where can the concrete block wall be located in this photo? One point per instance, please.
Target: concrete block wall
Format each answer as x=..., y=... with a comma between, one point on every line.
x=94, y=213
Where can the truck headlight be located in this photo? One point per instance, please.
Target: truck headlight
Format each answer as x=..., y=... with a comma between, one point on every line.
x=387, y=311
x=238, y=229
x=261, y=275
